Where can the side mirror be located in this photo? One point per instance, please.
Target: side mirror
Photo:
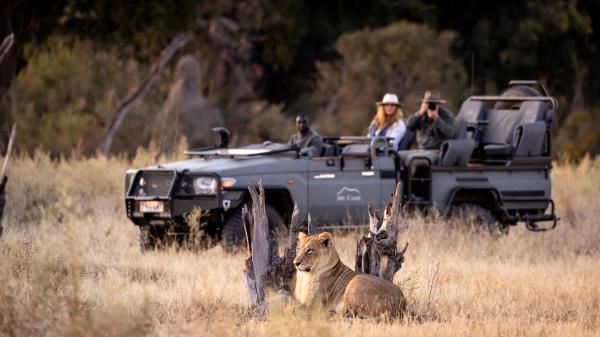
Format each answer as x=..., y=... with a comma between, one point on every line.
x=223, y=137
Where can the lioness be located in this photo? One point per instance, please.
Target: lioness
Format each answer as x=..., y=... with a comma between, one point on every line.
x=323, y=279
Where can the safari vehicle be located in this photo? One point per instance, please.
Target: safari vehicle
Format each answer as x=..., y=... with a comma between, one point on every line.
x=498, y=167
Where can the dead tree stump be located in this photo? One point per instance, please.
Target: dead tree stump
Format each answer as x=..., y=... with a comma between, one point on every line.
x=264, y=268
x=376, y=252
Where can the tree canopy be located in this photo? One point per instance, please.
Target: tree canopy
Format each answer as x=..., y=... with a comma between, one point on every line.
x=290, y=55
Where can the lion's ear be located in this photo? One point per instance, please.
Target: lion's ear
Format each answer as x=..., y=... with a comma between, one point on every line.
x=326, y=239
x=302, y=236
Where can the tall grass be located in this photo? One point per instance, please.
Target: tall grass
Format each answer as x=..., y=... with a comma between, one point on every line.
x=70, y=266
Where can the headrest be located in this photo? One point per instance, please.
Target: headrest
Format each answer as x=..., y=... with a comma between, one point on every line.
x=472, y=111
x=532, y=111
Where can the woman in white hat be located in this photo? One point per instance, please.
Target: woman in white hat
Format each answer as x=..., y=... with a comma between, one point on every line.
x=388, y=120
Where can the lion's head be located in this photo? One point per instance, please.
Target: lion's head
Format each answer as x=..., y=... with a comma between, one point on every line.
x=315, y=252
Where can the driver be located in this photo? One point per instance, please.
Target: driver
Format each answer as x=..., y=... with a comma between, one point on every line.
x=306, y=139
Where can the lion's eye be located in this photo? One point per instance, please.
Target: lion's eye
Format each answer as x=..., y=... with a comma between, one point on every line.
x=308, y=252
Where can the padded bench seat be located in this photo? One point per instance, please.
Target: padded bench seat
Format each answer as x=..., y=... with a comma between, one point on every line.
x=498, y=149
x=407, y=156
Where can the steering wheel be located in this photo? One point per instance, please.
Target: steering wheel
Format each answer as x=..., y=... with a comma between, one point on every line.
x=379, y=143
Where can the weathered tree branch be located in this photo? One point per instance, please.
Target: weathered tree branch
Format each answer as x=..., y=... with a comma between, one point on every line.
x=9, y=149
x=7, y=43
x=310, y=227
x=265, y=269
x=258, y=243
x=3, y=177
x=140, y=91
x=376, y=252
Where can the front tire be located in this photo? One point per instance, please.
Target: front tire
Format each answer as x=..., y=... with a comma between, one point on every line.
x=150, y=237
x=234, y=236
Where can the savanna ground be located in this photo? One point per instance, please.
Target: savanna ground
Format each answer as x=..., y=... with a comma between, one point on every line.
x=70, y=266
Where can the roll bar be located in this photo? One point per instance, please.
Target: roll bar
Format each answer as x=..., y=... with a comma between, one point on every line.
x=553, y=101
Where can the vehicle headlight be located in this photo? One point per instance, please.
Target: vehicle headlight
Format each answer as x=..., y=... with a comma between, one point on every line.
x=205, y=185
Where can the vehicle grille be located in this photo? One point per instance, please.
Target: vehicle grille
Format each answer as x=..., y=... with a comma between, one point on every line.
x=153, y=183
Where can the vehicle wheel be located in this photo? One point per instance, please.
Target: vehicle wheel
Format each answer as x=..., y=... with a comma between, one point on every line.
x=480, y=219
x=516, y=91
x=150, y=237
x=200, y=239
x=234, y=237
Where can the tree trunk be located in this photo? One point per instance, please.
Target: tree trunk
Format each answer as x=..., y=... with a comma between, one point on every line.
x=7, y=43
x=9, y=149
x=265, y=269
x=3, y=176
x=376, y=252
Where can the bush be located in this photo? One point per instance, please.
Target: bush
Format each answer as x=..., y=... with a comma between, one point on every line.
x=68, y=92
x=402, y=58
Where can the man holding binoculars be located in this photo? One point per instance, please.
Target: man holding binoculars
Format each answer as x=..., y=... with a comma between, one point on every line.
x=432, y=123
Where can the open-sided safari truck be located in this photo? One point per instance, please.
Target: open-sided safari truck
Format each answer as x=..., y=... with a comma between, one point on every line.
x=498, y=168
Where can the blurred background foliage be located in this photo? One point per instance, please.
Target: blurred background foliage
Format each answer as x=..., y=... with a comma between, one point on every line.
x=404, y=58
x=261, y=62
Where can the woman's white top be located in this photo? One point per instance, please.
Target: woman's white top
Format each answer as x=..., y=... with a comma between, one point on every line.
x=395, y=131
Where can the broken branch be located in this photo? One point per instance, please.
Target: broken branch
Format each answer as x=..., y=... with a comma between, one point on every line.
x=7, y=43
x=140, y=91
x=9, y=149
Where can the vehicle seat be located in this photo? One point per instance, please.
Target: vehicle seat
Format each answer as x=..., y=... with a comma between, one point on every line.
x=517, y=133
x=407, y=140
x=498, y=135
x=470, y=112
x=456, y=152
x=357, y=150
x=412, y=156
x=531, y=131
x=328, y=150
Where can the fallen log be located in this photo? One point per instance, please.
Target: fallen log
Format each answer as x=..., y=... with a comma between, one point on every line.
x=376, y=252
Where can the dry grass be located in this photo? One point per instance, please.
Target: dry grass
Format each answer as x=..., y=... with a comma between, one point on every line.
x=70, y=266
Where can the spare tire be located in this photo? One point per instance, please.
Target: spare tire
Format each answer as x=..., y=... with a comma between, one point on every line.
x=516, y=91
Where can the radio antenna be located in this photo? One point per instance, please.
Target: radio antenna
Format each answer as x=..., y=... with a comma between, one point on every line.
x=472, y=71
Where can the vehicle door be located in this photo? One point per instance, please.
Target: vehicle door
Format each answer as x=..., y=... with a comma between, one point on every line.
x=340, y=188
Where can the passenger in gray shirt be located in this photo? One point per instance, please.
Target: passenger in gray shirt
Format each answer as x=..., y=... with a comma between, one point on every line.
x=306, y=139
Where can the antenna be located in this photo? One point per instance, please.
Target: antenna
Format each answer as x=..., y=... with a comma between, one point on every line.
x=472, y=71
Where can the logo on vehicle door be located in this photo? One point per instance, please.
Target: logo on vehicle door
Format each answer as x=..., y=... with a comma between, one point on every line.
x=348, y=194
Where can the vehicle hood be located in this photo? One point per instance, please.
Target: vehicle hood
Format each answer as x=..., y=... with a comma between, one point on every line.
x=239, y=165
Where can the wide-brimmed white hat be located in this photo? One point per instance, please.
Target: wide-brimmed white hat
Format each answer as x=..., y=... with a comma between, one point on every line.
x=390, y=99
